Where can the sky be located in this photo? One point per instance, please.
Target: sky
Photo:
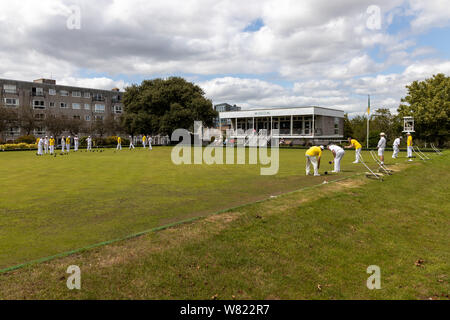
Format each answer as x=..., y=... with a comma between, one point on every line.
x=253, y=53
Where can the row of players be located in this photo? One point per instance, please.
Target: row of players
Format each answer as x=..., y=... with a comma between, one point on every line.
x=314, y=154
x=47, y=145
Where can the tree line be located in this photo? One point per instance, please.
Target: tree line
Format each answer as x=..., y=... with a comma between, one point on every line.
x=160, y=106
x=55, y=124
x=428, y=101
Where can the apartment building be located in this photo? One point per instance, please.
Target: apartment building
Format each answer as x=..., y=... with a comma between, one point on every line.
x=224, y=107
x=44, y=97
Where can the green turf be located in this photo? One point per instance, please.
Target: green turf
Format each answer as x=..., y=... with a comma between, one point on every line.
x=311, y=244
x=49, y=205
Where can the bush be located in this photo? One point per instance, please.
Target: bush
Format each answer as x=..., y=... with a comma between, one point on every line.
x=18, y=146
x=30, y=139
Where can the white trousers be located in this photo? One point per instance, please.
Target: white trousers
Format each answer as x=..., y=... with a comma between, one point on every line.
x=63, y=147
x=337, y=160
x=68, y=147
x=410, y=151
x=380, y=152
x=358, y=154
x=131, y=145
x=150, y=146
x=89, y=147
x=52, y=149
x=396, y=151
x=312, y=160
x=76, y=146
x=119, y=146
x=46, y=148
x=40, y=152
x=144, y=144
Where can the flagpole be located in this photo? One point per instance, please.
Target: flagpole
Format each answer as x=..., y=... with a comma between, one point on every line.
x=368, y=117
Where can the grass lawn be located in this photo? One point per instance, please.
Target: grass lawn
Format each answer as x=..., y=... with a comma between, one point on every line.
x=51, y=205
x=316, y=243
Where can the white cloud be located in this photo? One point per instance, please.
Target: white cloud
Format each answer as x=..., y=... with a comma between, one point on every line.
x=321, y=49
x=429, y=14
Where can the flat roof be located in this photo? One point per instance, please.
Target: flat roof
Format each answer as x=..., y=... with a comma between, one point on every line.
x=39, y=84
x=280, y=112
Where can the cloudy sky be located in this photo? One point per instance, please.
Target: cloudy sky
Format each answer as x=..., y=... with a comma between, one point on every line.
x=251, y=53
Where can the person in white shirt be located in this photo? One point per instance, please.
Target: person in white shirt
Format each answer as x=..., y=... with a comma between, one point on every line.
x=338, y=154
x=75, y=143
x=131, y=143
x=149, y=139
x=89, y=143
x=40, y=147
x=396, y=147
x=46, y=145
x=63, y=143
x=381, y=146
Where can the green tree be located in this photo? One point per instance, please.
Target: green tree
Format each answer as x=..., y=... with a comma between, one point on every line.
x=28, y=122
x=8, y=118
x=383, y=121
x=161, y=106
x=348, y=130
x=54, y=123
x=428, y=102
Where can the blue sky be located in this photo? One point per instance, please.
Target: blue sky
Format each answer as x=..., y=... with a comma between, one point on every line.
x=257, y=53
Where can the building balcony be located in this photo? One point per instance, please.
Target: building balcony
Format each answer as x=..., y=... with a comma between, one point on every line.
x=14, y=92
x=98, y=98
x=38, y=94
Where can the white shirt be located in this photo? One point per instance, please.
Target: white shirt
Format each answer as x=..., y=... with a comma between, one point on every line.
x=397, y=142
x=335, y=148
x=382, y=143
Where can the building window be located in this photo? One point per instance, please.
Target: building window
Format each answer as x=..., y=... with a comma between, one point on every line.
x=38, y=104
x=99, y=108
x=37, y=92
x=76, y=94
x=9, y=88
x=87, y=118
x=98, y=97
x=11, y=102
x=76, y=106
x=117, y=109
x=39, y=116
x=87, y=106
x=39, y=131
x=99, y=118
x=63, y=105
x=336, y=125
x=87, y=94
x=14, y=131
x=52, y=92
x=77, y=117
x=64, y=93
x=51, y=104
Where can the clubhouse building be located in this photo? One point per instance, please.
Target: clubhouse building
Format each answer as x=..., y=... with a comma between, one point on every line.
x=298, y=125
